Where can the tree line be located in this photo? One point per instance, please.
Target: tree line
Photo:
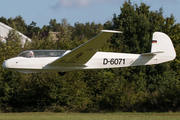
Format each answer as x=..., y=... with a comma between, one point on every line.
x=142, y=88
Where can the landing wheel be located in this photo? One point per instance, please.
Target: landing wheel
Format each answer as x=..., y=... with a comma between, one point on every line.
x=61, y=73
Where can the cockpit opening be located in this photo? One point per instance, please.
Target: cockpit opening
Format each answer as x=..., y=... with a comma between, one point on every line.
x=43, y=53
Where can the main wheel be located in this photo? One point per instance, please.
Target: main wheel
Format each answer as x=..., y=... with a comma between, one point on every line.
x=61, y=73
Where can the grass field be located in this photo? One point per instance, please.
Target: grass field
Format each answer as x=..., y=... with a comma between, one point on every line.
x=89, y=116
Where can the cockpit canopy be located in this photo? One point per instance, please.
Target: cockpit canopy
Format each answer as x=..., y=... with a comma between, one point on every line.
x=43, y=53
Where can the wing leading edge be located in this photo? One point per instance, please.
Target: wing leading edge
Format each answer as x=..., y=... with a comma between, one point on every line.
x=81, y=54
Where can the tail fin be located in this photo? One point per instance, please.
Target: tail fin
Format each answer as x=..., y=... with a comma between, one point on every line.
x=163, y=47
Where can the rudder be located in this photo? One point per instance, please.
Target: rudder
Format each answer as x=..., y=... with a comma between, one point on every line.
x=162, y=43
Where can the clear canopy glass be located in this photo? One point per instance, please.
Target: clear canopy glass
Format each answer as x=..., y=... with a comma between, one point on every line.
x=42, y=53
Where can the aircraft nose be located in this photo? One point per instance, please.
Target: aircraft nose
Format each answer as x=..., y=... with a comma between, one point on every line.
x=5, y=64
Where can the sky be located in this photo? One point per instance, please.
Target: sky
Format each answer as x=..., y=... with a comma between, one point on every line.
x=82, y=11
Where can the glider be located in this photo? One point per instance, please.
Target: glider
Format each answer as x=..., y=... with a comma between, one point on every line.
x=87, y=56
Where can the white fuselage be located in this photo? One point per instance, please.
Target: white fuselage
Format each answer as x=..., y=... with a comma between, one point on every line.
x=86, y=56
x=99, y=61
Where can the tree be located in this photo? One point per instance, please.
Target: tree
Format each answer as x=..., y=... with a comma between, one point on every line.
x=142, y=88
x=32, y=28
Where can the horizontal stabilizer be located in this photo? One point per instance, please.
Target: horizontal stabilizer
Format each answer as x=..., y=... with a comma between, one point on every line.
x=152, y=53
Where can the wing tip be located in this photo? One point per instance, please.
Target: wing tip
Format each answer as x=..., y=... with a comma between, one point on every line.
x=111, y=31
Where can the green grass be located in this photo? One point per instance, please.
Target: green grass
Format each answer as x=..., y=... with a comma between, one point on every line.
x=89, y=116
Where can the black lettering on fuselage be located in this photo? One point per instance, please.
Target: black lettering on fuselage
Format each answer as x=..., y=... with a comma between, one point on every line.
x=105, y=61
x=114, y=61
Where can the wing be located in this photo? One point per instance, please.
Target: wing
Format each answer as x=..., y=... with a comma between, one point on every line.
x=81, y=55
